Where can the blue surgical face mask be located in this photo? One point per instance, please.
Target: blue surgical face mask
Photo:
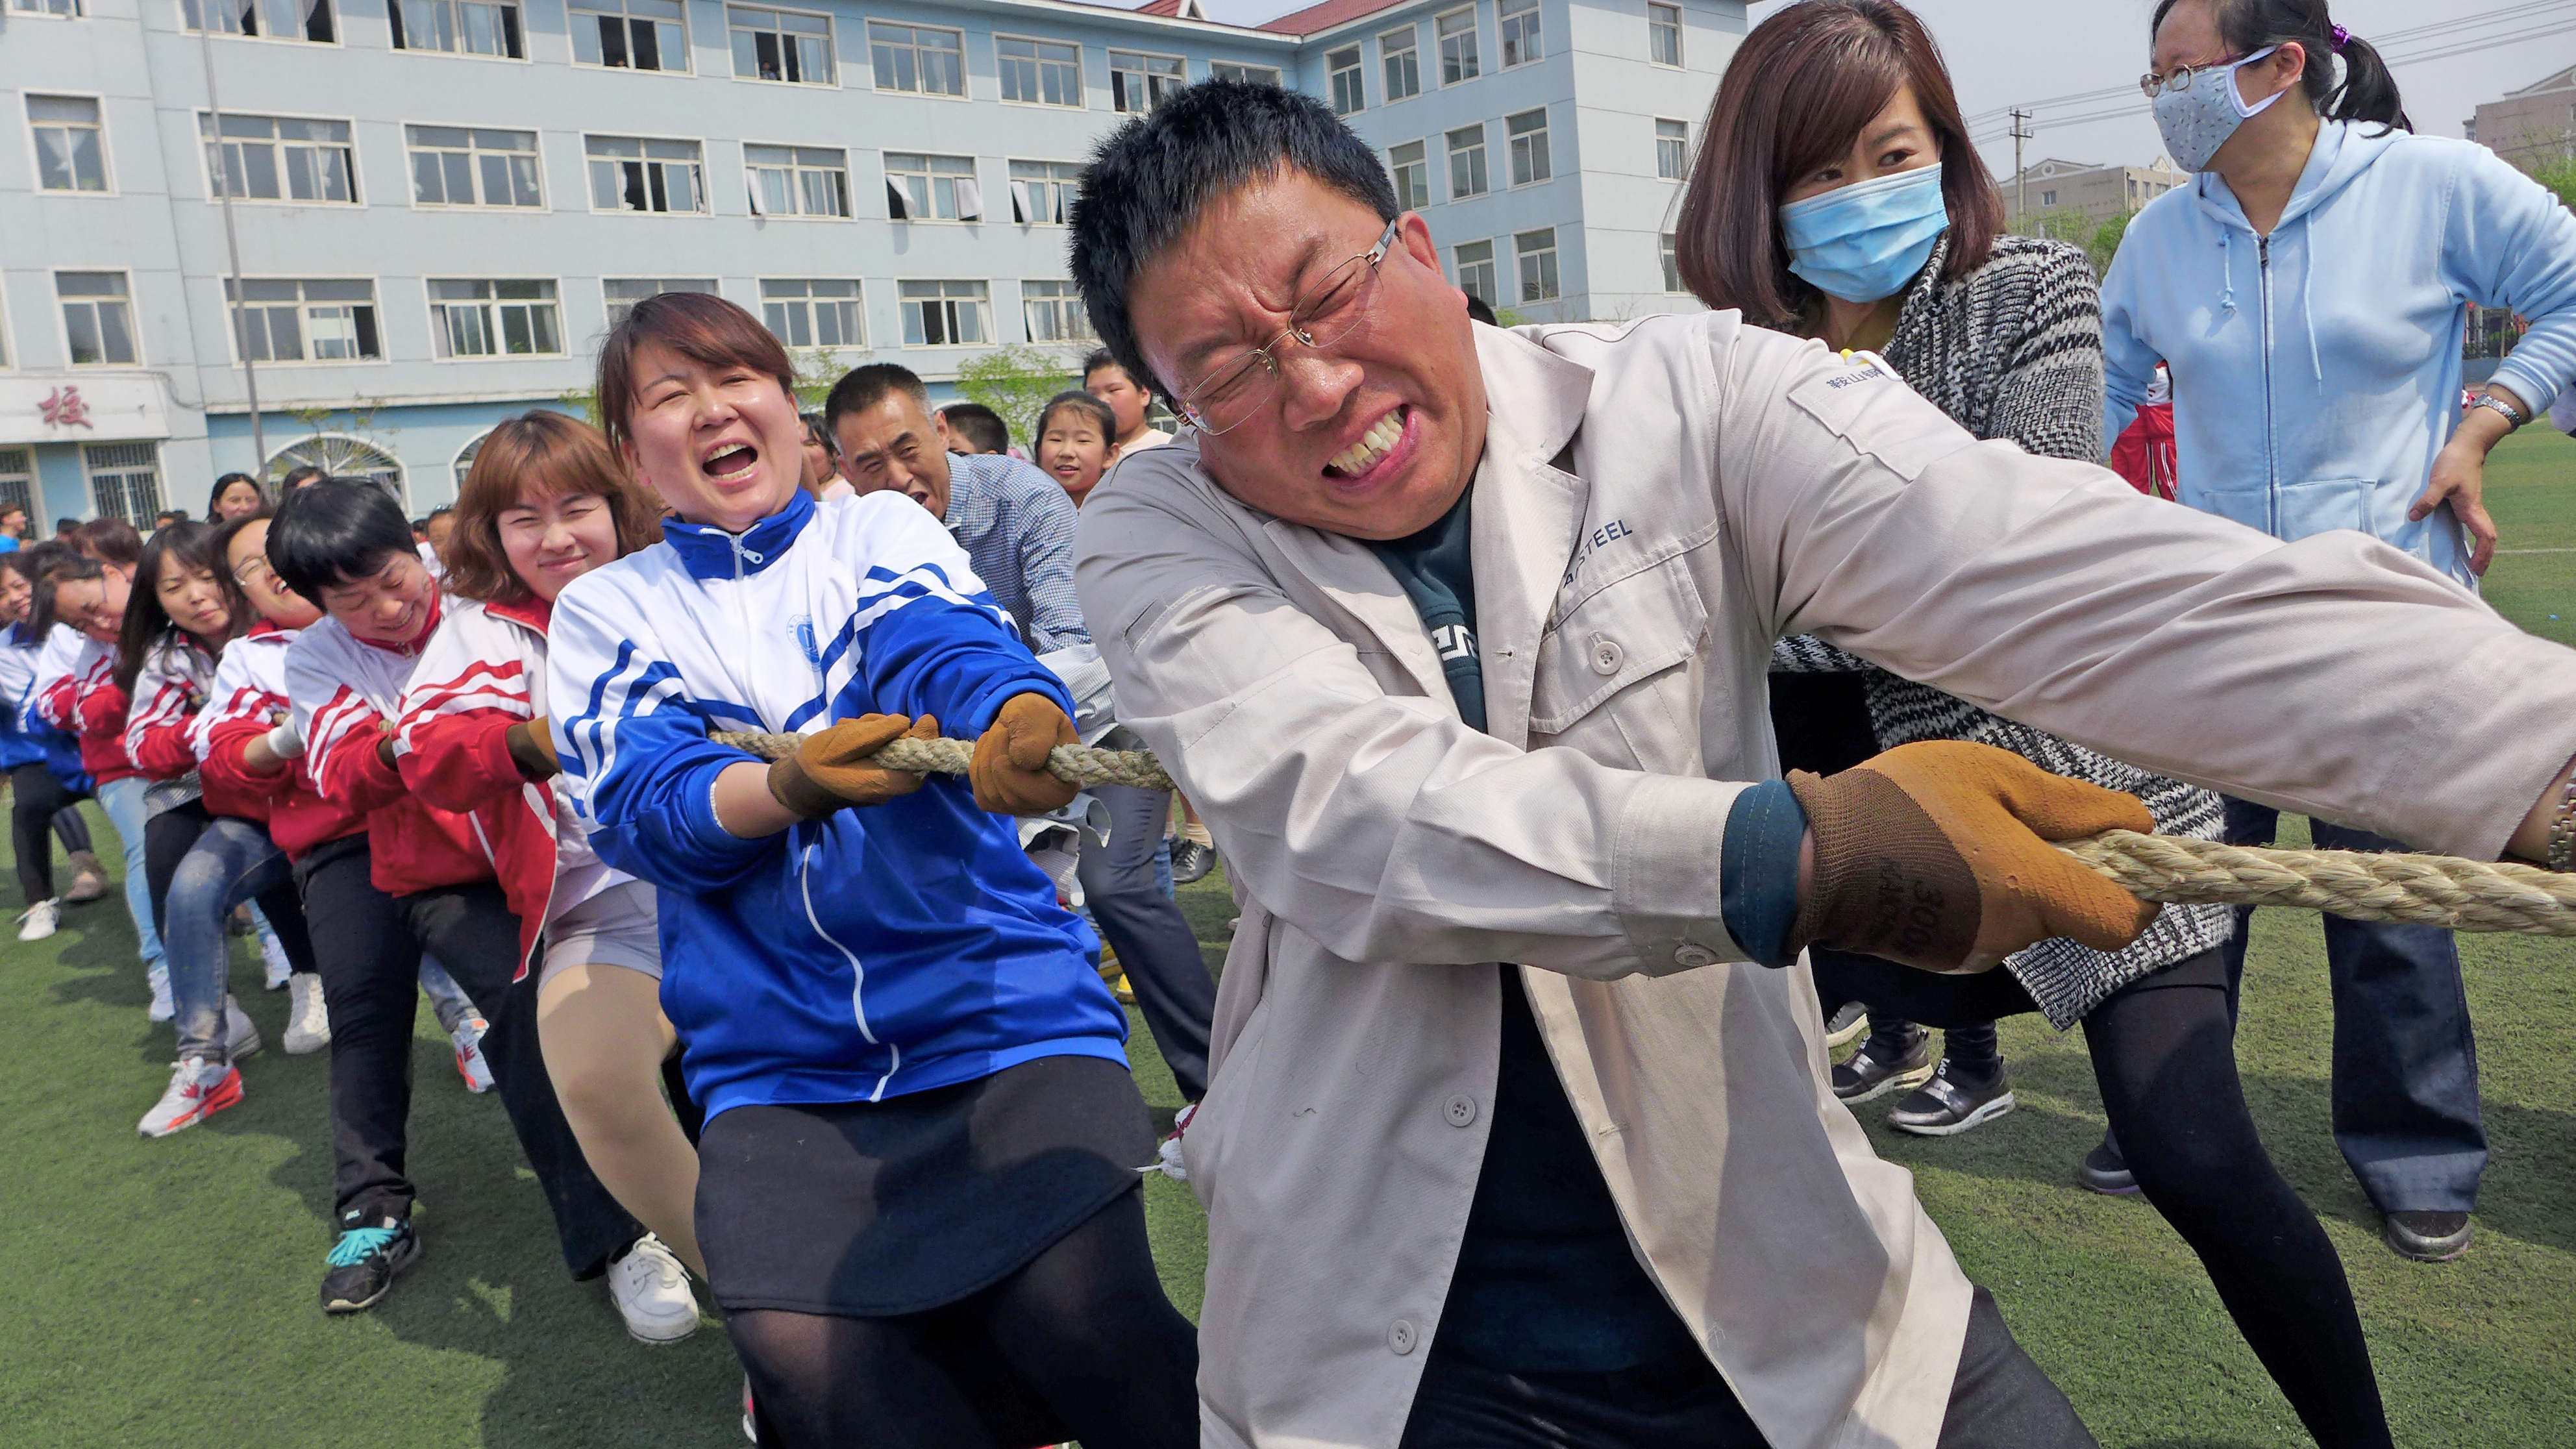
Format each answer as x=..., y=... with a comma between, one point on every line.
x=2197, y=120
x=1867, y=240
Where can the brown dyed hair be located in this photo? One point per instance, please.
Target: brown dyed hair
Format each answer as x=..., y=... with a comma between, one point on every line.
x=707, y=330
x=1796, y=94
x=551, y=452
x=110, y=540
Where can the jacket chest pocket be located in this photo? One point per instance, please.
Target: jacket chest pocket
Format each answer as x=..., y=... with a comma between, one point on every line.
x=1617, y=672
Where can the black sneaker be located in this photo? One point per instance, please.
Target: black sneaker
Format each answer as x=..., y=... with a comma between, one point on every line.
x=1878, y=1068
x=1946, y=1105
x=2426, y=1237
x=1191, y=861
x=365, y=1260
x=2105, y=1171
x=1848, y=1023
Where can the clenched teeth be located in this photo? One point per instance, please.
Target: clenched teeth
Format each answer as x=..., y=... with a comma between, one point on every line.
x=1363, y=455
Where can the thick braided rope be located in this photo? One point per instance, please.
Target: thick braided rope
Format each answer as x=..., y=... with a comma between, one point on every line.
x=2425, y=890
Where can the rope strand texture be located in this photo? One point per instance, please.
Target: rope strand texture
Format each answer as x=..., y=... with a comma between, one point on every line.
x=2422, y=890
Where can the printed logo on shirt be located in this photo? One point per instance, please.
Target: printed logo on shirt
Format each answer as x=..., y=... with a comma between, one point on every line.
x=1868, y=373
x=1454, y=641
x=802, y=631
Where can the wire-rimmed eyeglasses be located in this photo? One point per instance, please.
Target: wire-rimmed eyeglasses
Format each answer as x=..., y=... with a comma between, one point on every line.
x=1328, y=312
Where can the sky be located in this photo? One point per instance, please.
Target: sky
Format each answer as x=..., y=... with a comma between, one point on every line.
x=2076, y=62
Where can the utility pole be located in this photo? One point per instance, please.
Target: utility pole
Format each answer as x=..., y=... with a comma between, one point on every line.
x=222, y=178
x=2021, y=174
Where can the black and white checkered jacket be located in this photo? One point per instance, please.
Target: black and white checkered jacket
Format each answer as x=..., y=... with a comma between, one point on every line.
x=2013, y=351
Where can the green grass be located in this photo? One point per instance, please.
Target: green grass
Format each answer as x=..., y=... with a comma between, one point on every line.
x=162, y=1292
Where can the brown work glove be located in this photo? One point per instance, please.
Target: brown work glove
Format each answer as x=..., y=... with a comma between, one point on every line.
x=1010, y=765
x=1935, y=855
x=532, y=749
x=831, y=769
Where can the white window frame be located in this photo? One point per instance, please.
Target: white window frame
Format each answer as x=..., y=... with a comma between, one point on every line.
x=71, y=10
x=339, y=26
x=474, y=153
x=518, y=23
x=858, y=301
x=215, y=191
x=706, y=201
x=608, y=305
x=1386, y=56
x=232, y=320
x=831, y=46
x=1268, y=75
x=1151, y=78
x=1472, y=53
x=91, y=469
x=1551, y=258
x=797, y=170
x=1404, y=193
x=35, y=154
x=972, y=177
x=1081, y=92
x=1533, y=36
x=580, y=12
x=1024, y=202
x=1668, y=248
x=1681, y=151
x=1655, y=13
x=1531, y=144
x=1482, y=164
x=463, y=462
x=1067, y=303
x=1458, y=265
x=18, y=485
x=983, y=308
x=438, y=329
x=965, y=83
x=63, y=324
x=1357, y=70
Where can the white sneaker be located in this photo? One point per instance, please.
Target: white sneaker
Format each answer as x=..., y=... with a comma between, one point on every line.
x=199, y=1088
x=241, y=1036
x=308, y=1022
x=279, y=968
x=162, y=1008
x=40, y=920
x=470, y=1065
x=652, y=1293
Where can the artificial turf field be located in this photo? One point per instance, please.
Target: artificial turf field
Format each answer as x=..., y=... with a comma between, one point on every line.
x=162, y=1293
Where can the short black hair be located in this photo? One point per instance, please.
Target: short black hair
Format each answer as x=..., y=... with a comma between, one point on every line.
x=979, y=425
x=335, y=531
x=1148, y=183
x=1101, y=414
x=1480, y=310
x=862, y=388
x=300, y=474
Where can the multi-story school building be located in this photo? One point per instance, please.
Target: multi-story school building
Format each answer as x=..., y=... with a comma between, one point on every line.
x=437, y=207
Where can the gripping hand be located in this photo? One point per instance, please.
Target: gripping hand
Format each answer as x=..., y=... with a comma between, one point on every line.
x=831, y=769
x=1009, y=770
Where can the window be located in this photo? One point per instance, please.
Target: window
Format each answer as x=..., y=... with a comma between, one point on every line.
x=124, y=481
x=1467, y=161
x=1403, y=64
x=1042, y=192
x=932, y=188
x=943, y=314
x=275, y=158
x=314, y=321
x=1458, y=46
x=1672, y=148
x=458, y=166
x=1053, y=312
x=98, y=319
x=1519, y=24
x=1537, y=253
x=631, y=174
x=465, y=460
x=1039, y=72
x=1664, y=34
x=1672, y=264
x=1411, y=174
x=1476, y=272
x=2048, y=198
x=779, y=45
x=1139, y=82
x=1343, y=68
x=340, y=456
x=460, y=27
x=494, y=319
x=622, y=293
x=813, y=312
x=18, y=478
x=71, y=145
x=917, y=58
x=797, y=180
x=635, y=34
x=274, y=19
x=1264, y=75
x=1528, y=131
x=69, y=9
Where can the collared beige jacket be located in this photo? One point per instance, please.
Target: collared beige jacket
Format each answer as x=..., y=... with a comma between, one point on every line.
x=1724, y=487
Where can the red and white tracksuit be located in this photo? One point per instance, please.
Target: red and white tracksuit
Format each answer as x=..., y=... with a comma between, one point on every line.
x=245, y=699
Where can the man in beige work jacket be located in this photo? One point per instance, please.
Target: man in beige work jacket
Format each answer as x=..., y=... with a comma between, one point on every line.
x=1457, y=637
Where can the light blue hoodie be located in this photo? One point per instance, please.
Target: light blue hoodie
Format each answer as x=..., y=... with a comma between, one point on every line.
x=2316, y=372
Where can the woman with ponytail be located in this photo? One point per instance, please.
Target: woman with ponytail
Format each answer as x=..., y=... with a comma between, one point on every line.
x=2309, y=291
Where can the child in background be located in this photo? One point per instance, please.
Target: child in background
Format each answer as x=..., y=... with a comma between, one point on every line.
x=1077, y=441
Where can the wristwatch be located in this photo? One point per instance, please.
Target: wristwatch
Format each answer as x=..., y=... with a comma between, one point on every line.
x=2493, y=403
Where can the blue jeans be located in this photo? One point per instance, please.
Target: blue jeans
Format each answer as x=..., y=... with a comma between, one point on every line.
x=232, y=861
x=2405, y=1088
x=123, y=802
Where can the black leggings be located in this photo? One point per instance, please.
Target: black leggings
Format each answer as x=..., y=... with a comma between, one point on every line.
x=2164, y=1052
x=1078, y=1344
x=40, y=803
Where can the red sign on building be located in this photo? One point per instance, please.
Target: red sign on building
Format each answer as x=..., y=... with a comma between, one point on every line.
x=63, y=408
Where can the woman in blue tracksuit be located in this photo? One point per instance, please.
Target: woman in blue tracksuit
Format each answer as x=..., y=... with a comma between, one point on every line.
x=2309, y=291
x=918, y=1196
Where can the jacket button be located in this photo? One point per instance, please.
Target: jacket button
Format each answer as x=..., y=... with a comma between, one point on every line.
x=1401, y=1336
x=1461, y=1111
x=1607, y=656
x=1693, y=956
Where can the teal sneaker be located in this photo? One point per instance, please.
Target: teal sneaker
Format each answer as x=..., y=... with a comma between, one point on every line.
x=363, y=1263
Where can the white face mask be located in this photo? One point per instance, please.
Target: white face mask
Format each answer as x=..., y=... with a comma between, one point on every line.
x=2199, y=118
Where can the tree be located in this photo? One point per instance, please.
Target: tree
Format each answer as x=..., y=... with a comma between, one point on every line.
x=1015, y=381
x=2104, y=243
